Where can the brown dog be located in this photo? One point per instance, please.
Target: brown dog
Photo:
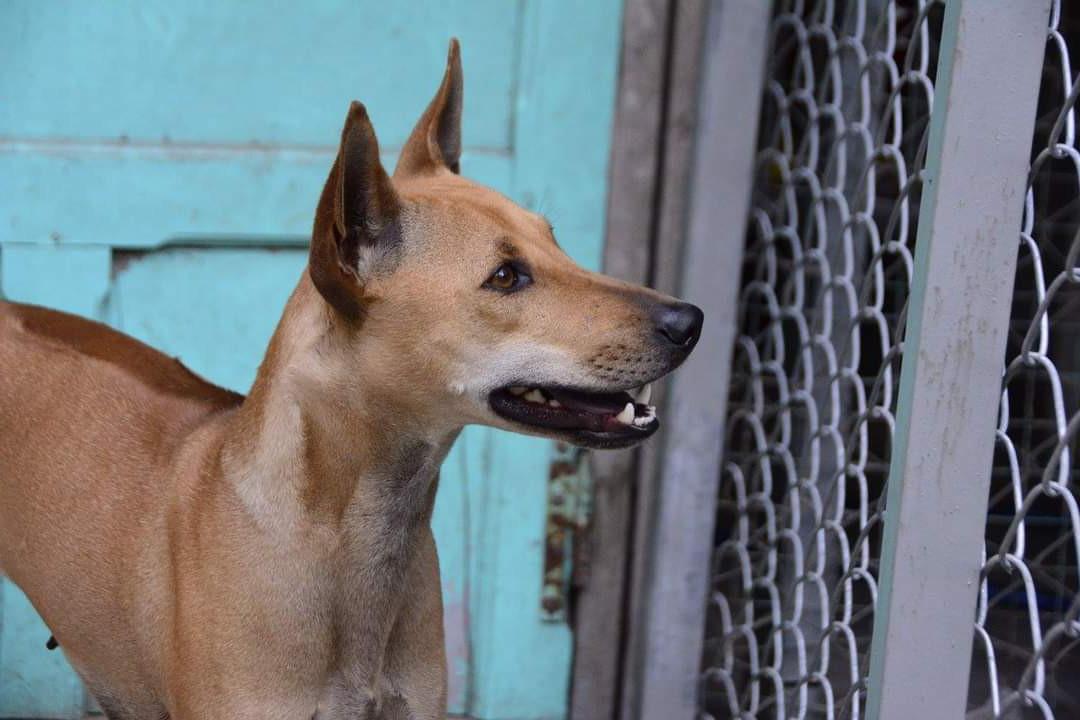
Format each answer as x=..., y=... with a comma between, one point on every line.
x=199, y=554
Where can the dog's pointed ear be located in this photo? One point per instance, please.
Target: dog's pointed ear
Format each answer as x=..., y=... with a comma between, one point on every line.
x=435, y=142
x=356, y=221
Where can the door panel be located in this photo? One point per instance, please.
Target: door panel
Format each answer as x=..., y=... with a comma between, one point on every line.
x=76, y=194
x=161, y=163
x=34, y=682
x=215, y=308
x=233, y=74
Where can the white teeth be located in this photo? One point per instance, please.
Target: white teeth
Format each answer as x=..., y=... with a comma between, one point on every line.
x=535, y=396
x=554, y=403
x=644, y=394
x=626, y=417
x=647, y=418
x=518, y=390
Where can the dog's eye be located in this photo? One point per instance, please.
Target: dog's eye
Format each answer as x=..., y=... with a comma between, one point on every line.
x=507, y=278
x=504, y=278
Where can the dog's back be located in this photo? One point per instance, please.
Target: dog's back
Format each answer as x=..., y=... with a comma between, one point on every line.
x=94, y=419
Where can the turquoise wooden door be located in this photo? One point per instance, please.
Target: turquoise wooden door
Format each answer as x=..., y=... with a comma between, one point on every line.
x=159, y=168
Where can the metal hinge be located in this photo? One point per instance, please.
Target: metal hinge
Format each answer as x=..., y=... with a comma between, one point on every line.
x=569, y=507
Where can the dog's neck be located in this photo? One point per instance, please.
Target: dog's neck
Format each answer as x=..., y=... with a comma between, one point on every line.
x=314, y=444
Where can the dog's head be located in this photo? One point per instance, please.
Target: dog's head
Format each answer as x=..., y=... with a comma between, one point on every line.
x=464, y=309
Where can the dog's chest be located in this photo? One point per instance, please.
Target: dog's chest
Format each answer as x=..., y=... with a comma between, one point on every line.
x=370, y=603
x=371, y=583
x=382, y=527
x=343, y=703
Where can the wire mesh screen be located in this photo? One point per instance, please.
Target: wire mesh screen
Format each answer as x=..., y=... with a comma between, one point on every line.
x=826, y=274
x=1026, y=657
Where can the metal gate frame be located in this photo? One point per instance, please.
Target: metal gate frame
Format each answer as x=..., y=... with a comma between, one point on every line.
x=966, y=253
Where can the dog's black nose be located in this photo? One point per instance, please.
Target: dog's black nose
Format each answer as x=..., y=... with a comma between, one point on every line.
x=679, y=323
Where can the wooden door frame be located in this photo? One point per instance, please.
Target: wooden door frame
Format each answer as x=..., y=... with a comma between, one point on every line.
x=690, y=83
x=651, y=155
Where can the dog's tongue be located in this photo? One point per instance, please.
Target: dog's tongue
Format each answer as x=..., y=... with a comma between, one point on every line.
x=595, y=403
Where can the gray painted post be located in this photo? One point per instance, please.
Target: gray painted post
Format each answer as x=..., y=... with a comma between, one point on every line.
x=965, y=259
x=671, y=219
x=665, y=672
x=636, y=150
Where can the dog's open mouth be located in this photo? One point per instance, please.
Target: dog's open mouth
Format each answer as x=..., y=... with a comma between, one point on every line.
x=615, y=418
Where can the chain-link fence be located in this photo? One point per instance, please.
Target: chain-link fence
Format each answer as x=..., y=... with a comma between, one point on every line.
x=1026, y=658
x=826, y=276
x=816, y=403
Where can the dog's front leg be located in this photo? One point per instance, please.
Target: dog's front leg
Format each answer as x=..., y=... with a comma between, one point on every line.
x=366, y=707
x=416, y=655
x=397, y=708
x=346, y=702
x=407, y=681
x=414, y=692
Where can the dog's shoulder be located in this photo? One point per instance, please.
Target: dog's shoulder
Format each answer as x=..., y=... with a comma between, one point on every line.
x=52, y=331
